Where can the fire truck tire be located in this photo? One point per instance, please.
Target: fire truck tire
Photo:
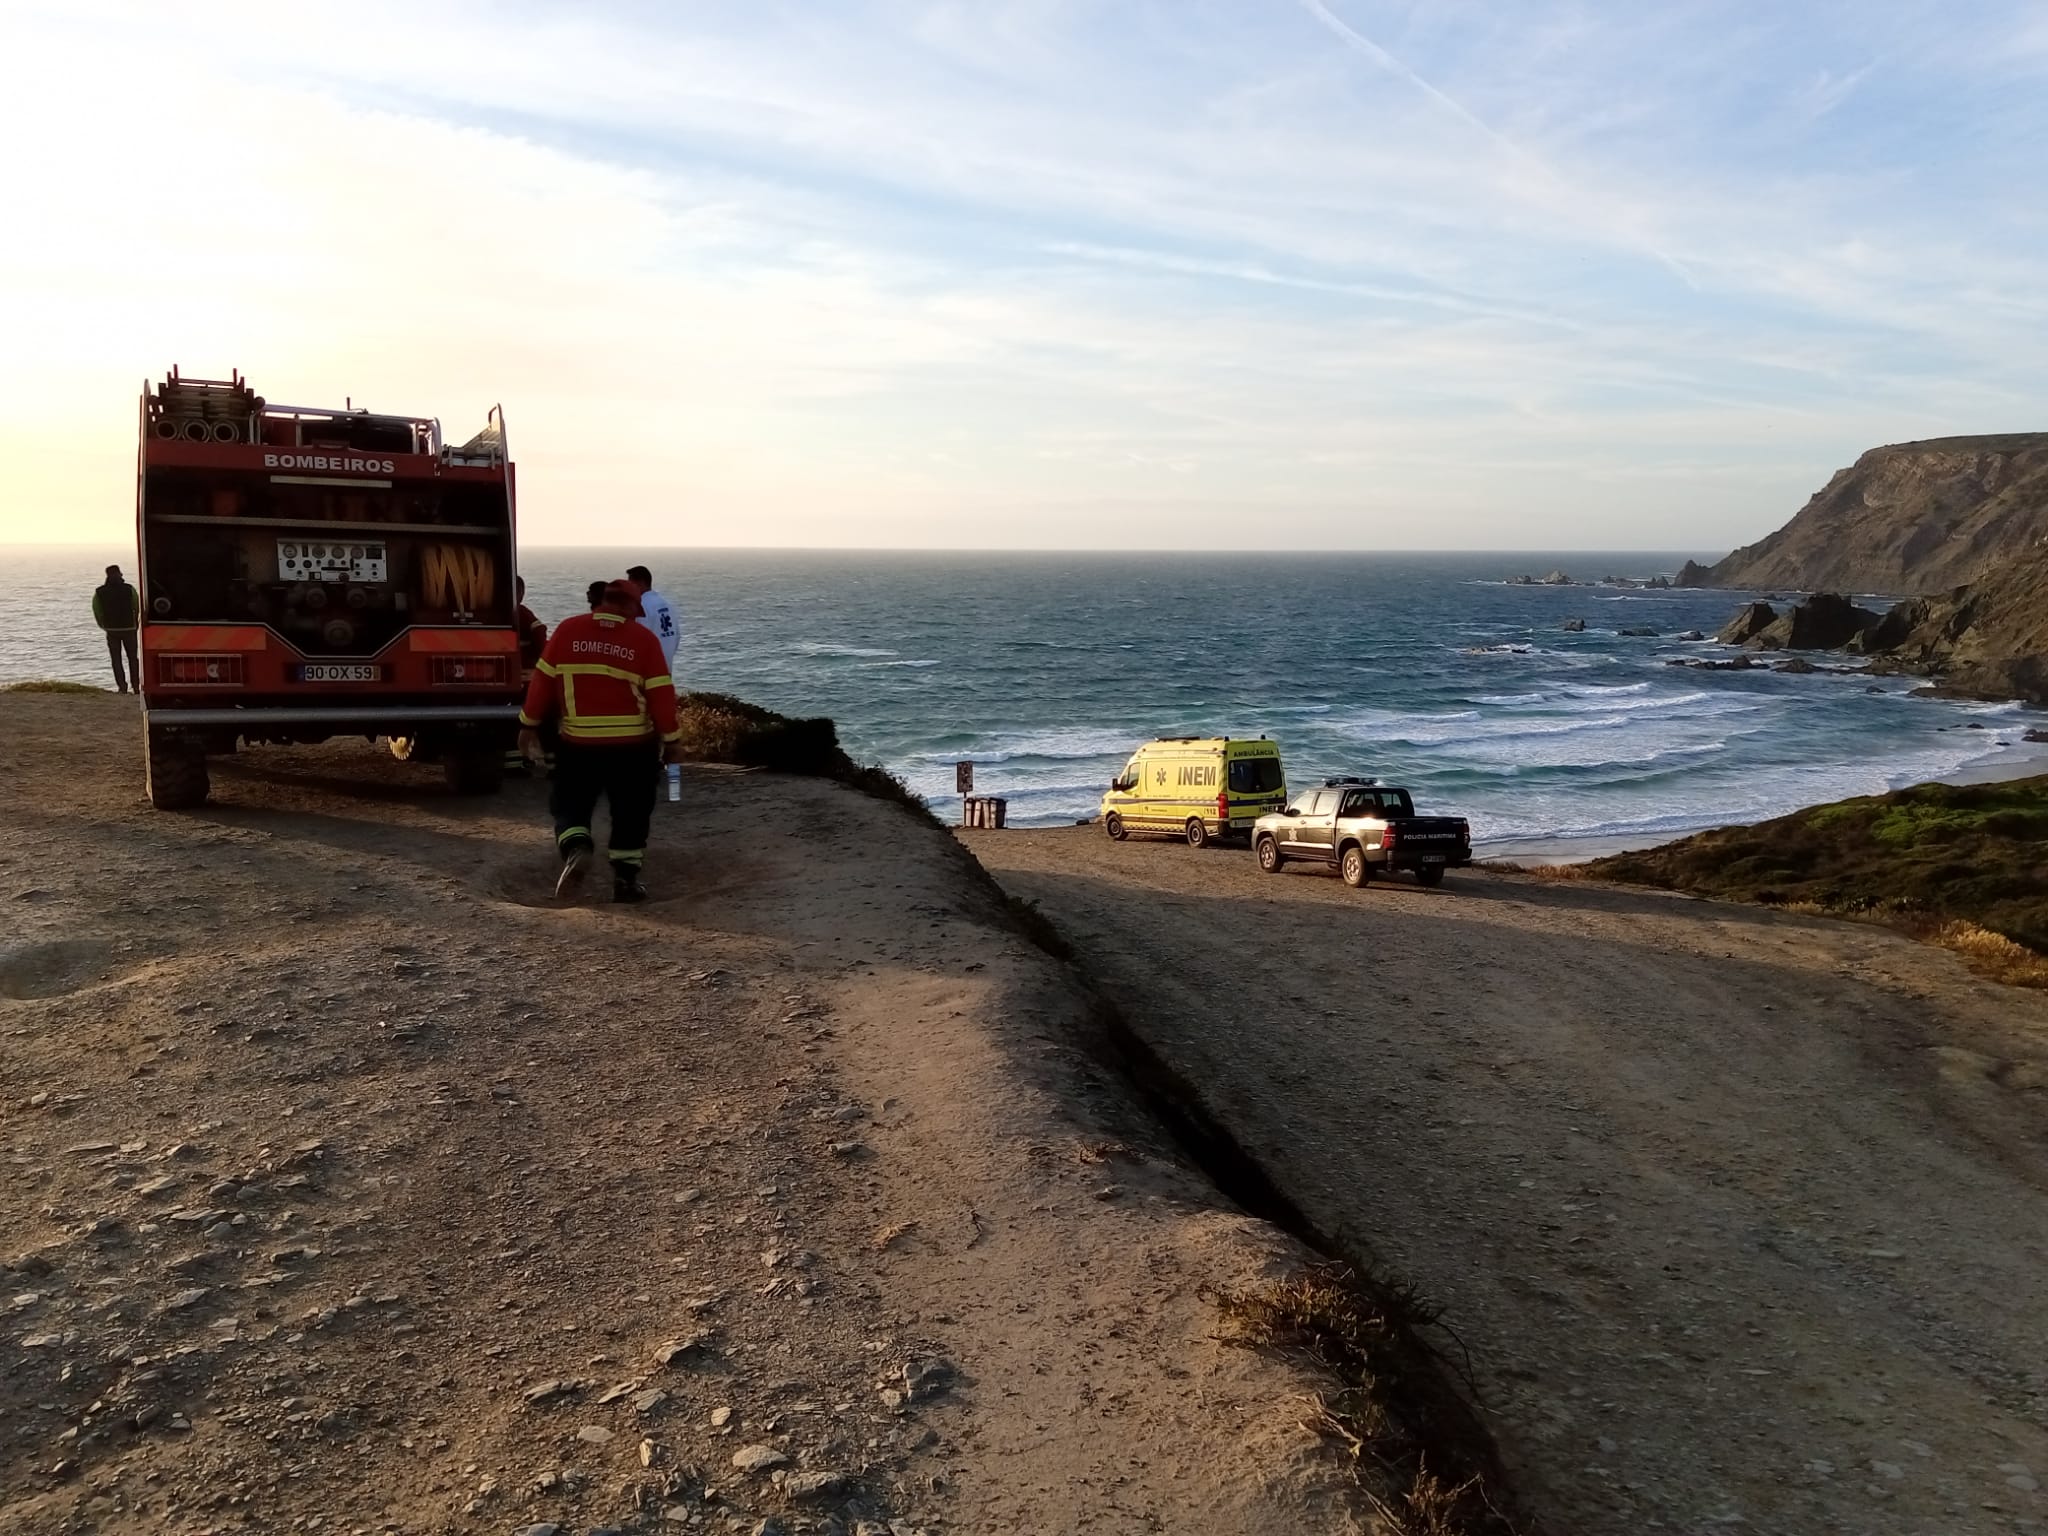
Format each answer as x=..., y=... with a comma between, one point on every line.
x=177, y=773
x=474, y=770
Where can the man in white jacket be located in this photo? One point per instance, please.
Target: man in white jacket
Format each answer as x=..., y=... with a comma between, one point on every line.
x=658, y=614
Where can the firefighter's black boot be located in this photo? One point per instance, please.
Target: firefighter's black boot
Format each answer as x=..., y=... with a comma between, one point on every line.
x=626, y=884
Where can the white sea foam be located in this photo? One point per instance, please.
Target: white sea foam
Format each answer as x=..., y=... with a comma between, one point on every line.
x=824, y=648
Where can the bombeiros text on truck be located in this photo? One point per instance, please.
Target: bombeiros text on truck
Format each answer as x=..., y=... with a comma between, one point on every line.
x=316, y=572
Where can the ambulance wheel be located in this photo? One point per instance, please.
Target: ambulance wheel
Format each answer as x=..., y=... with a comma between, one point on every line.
x=1270, y=858
x=474, y=770
x=1353, y=867
x=177, y=772
x=1198, y=832
x=1113, y=824
x=1430, y=874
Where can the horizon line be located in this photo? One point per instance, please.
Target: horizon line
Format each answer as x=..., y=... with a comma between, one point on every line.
x=972, y=549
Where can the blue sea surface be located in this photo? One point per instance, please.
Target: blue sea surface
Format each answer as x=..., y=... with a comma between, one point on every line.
x=1429, y=670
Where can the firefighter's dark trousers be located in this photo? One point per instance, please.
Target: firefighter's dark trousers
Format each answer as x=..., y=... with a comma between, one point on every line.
x=120, y=647
x=624, y=777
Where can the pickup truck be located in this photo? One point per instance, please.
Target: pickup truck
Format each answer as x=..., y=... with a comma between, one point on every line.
x=1364, y=828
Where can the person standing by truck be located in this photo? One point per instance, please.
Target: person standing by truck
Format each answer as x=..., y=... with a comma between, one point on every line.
x=657, y=613
x=118, y=611
x=603, y=679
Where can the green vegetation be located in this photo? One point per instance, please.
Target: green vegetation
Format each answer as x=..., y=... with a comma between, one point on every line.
x=50, y=685
x=1966, y=866
x=718, y=728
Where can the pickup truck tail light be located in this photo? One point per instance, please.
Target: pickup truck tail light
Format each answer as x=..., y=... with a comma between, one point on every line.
x=1387, y=838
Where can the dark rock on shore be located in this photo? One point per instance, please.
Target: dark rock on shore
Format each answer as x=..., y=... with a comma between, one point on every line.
x=1690, y=634
x=1750, y=621
x=1639, y=631
x=1797, y=664
x=1826, y=621
x=1574, y=626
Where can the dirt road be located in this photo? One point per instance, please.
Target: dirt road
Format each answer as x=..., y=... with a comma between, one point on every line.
x=348, y=1181
x=1743, y=1216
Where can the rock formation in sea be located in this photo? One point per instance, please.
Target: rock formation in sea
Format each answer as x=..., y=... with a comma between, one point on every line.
x=1962, y=522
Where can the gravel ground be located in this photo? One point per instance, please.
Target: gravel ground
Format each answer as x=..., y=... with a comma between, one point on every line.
x=349, y=1183
x=1739, y=1214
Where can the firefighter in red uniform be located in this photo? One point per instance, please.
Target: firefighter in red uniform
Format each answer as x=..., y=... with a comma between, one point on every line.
x=603, y=680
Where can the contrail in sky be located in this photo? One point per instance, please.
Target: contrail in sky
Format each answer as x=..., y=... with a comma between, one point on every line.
x=1358, y=42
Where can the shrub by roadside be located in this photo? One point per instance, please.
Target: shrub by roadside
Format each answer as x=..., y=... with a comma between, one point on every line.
x=1965, y=866
x=719, y=728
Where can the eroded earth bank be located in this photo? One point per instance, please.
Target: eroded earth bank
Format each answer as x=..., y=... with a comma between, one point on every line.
x=349, y=1185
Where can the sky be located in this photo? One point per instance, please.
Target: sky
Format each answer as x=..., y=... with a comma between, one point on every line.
x=1128, y=274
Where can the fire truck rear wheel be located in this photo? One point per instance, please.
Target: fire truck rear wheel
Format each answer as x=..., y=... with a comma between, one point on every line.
x=176, y=772
x=474, y=770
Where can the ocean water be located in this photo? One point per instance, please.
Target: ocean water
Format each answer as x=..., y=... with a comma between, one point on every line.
x=1047, y=670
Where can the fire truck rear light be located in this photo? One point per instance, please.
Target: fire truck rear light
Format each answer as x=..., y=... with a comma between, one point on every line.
x=200, y=671
x=471, y=671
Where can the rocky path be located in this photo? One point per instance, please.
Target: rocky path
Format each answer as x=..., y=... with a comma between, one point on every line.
x=1742, y=1216
x=348, y=1183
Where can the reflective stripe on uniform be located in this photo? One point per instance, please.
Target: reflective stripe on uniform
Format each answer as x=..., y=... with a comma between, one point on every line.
x=627, y=855
x=570, y=834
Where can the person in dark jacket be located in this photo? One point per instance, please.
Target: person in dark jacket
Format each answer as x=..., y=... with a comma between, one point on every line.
x=118, y=611
x=533, y=634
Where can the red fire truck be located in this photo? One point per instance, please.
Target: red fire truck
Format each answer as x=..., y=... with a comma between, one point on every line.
x=312, y=573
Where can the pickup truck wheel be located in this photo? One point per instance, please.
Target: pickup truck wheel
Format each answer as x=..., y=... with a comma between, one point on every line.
x=1269, y=856
x=1351, y=864
x=1430, y=874
x=474, y=770
x=1198, y=832
x=1113, y=824
x=176, y=772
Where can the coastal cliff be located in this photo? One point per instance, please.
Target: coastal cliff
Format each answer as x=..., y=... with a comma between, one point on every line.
x=1906, y=519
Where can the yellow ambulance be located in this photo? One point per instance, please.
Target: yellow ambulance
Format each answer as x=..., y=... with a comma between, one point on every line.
x=1199, y=787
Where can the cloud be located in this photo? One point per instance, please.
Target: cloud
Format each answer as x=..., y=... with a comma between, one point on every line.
x=888, y=273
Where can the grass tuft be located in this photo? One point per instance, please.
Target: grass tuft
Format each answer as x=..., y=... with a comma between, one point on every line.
x=50, y=685
x=1366, y=1331
x=1993, y=954
x=1536, y=871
